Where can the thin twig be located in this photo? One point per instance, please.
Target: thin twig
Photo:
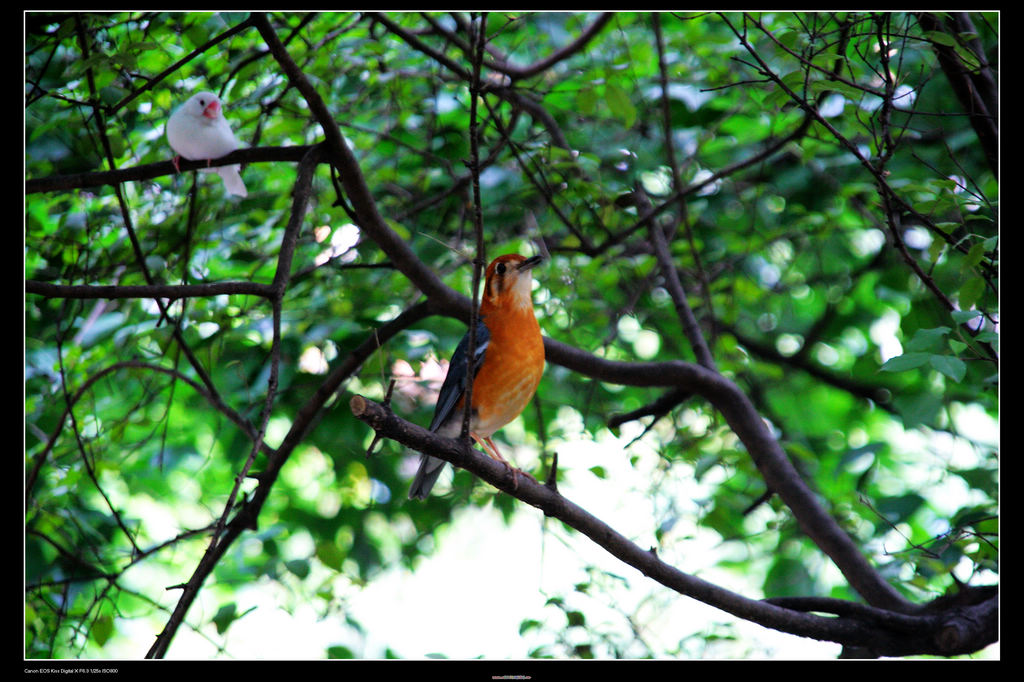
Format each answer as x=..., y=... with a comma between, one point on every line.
x=479, y=41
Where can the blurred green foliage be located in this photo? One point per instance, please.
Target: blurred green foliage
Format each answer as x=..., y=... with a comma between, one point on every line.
x=885, y=399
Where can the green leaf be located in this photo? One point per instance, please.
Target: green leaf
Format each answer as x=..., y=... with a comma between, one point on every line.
x=962, y=316
x=298, y=567
x=973, y=257
x=981, y=478
x=899, y=508
x=225, y=616
x=971, y=291
x=328, y=552
x=952, y=367
x=927, y=339
x=940, y=38
x=339, y=651
x=575, y=618
x=619, y=104
x=917, y=408
x=972, y=517
x=529, y=624
x=907, y=361
x=846, y=90
x=587, y=100
x=102, y=628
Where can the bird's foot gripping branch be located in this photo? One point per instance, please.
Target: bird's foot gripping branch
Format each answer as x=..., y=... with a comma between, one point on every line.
x=461, y=454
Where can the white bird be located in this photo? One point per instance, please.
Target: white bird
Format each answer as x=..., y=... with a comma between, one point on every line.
x=198, y=130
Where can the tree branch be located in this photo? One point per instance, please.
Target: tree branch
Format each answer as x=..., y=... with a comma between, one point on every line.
x=479, y=41
x=63, y=183
x=168, y=291
x=518, y=71
x=975, y=88
x=363, y=204
x=669, y=274
x=509, y=94
x=763, y=448
x=883, y=632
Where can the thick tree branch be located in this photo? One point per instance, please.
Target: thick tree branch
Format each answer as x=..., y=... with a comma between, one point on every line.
x=149, y=171
x=974, y=87
x=165, y=291
x=762, y=447
x=363, y=203
x=883, y=632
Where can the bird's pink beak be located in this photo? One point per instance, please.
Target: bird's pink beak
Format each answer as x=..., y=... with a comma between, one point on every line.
x=212, y=109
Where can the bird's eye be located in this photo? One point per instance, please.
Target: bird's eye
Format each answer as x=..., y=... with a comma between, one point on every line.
x=501, y=268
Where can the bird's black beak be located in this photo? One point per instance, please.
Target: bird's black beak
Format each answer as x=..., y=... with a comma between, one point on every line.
x=530, y=262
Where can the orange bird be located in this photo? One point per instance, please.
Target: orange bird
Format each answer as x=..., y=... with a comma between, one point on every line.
x=508, y=362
